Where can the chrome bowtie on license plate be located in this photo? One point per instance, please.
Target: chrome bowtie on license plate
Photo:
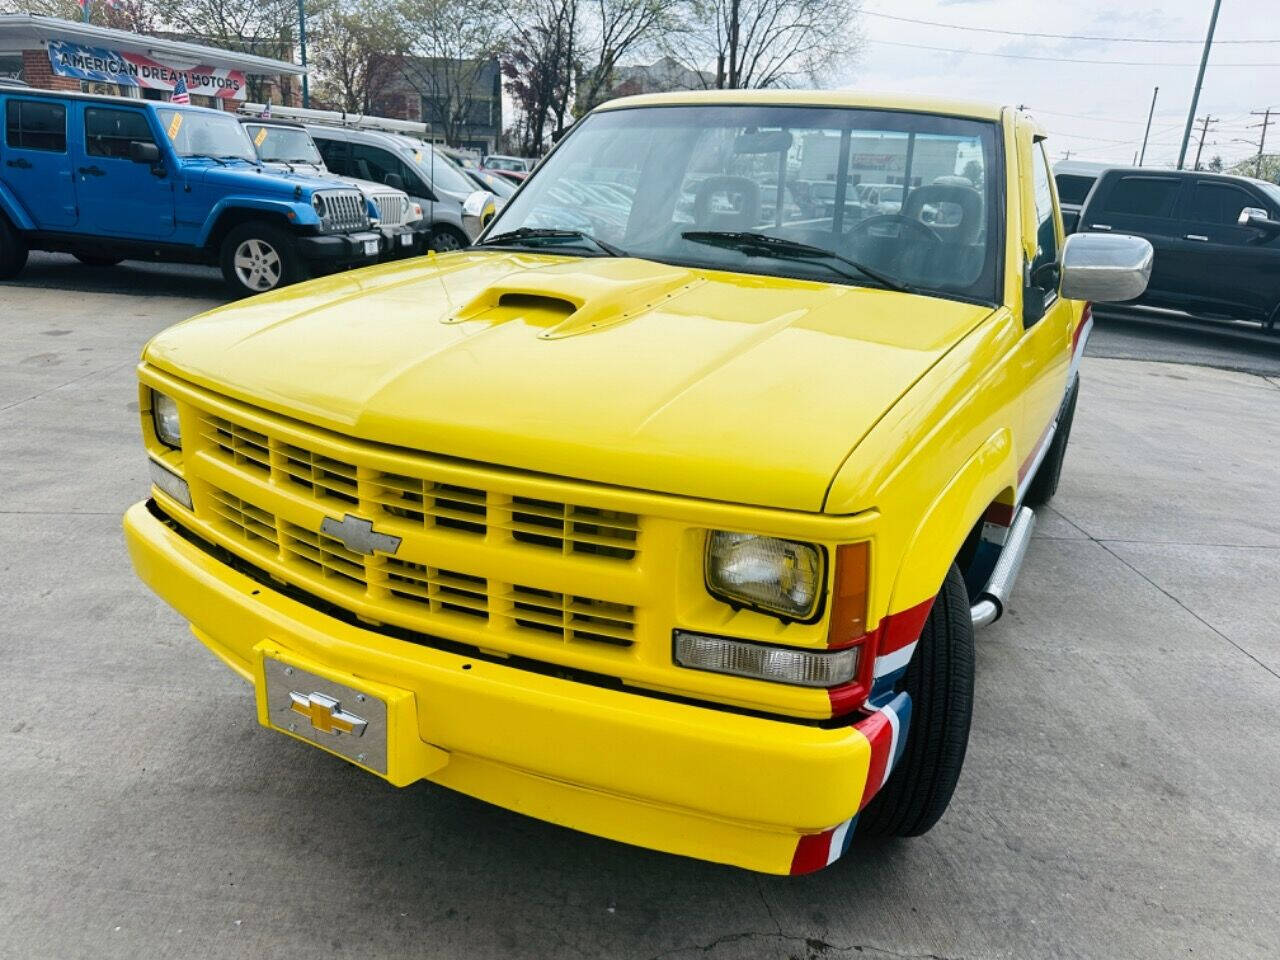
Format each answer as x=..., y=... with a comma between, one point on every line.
x=340, y=718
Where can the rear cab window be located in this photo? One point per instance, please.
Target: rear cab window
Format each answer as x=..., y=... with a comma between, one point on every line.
x=1073, y=188
x=35, y=125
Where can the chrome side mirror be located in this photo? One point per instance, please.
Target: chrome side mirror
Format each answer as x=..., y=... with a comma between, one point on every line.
x=477, y=210
x=1257, y=217
x=1105, y=267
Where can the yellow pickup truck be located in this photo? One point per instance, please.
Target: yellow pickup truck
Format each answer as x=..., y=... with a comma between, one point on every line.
x=667, y=510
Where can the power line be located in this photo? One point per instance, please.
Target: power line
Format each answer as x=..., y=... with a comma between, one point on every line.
x=1047, y=36
x=1025, y=56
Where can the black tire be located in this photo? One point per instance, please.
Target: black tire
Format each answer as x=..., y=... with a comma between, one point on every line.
x=1045, y=483
x=940, y=681
x=97, y=260
x=257, y=257
x=446, y=239
x=13, y=250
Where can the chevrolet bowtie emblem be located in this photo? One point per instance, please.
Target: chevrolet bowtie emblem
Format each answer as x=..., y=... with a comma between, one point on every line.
x=356, y=534
x=326, y=714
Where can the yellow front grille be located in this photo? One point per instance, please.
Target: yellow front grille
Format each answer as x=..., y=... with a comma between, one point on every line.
x=405, y=592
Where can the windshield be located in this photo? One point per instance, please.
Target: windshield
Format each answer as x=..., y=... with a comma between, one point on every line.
x=787, y=172
x=440, y=171
x=284, y=144
x=206, y=135
x=498, y=186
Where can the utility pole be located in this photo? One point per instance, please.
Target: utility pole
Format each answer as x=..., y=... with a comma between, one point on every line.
x=302, y=48
x=1262, y=141
x=1195, y=97
x=1204, y=129
x=1143, y=155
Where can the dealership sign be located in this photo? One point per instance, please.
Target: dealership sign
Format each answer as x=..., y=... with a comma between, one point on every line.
x=136, y=70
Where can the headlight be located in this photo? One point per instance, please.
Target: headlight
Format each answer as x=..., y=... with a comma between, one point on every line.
x=164, y=414
x=172, y=484
x=317, y=201
x=774, y=576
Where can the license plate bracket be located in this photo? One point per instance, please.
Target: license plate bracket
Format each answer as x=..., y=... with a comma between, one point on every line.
x=342, y=719
x=371, y=248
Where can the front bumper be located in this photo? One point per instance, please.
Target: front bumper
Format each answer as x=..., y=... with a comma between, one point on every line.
x=342, y=247
x=759, y=793
x=407, y=240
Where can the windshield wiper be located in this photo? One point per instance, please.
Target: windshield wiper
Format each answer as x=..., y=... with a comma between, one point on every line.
x=540, y=233
x=763, y=245
x=208, y=156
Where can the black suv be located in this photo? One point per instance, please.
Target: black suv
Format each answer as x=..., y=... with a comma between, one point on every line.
x=1216, y=238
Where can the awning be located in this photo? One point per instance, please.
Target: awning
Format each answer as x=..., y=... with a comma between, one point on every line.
x=28, y=31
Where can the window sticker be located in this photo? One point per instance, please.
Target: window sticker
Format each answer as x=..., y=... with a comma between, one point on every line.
x=262, y=135
x=174, y=126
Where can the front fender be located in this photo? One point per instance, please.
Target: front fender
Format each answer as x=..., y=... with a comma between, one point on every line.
x=297, y=212
x=12, y=209
x=988, y=476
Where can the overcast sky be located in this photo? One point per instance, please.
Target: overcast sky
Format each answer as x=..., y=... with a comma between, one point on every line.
x=1095, y=110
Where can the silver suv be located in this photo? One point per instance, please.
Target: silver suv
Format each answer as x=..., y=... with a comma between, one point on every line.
x=448, y=197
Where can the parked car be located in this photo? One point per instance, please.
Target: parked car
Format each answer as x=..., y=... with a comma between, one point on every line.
x=501, y=188
x=1074, y=179
x=1216, y=238
x=286, y=145
x=508, y=164
x=674, y=532
x=109, y=179
x=429, y=178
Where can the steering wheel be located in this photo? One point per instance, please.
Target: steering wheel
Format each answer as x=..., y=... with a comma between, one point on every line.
x=864, y=228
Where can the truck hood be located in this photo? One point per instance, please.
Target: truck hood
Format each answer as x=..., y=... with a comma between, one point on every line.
x=709, y=384
x=368, y=187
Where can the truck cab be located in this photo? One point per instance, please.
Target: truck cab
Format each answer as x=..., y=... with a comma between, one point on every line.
x=668, y=509
x=111, y=178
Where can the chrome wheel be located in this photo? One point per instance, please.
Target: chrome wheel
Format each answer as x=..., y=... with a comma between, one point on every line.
x=257, y=265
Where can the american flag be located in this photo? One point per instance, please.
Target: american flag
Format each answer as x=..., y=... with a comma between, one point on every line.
x=180, y=92
x=266, y=111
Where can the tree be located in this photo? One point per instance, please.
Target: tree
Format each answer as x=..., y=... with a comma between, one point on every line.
x=449, y=45
x=350, y=43
x=1268, y=169
x=1215, y=164
x=768, y=43
x=614, y=28
x=539, y=67
x=267, y=28
x=137, y=16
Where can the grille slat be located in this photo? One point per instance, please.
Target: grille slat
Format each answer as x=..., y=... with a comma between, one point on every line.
x=404, y=505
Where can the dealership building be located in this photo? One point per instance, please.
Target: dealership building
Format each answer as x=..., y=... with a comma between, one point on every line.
x=56, y=54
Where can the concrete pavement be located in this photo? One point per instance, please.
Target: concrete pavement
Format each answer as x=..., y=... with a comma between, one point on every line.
x=1118, y=800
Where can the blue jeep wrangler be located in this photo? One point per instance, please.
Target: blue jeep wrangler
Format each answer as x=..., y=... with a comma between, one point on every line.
x=110, y=178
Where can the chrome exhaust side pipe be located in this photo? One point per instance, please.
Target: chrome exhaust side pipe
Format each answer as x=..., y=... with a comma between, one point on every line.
x=995, y=595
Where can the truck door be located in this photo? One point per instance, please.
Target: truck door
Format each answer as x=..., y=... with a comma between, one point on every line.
x=37, y=166
x=119, y=197
x=1218, y=265
x=1142, y=205
x=1046, y=350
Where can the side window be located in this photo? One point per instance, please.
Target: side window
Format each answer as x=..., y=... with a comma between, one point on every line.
x=1143, y=196
x=374, y=163
x=32, y=125
x=1073, y=188
x=108, y=133
x=1220, y=203
x=1046, y=225
x=334, y=153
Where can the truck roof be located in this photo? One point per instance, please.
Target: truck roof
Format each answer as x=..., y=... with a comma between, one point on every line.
x=814, y=98
x=29, y=92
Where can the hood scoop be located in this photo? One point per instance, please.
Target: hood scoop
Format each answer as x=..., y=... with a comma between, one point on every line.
x=567, y=303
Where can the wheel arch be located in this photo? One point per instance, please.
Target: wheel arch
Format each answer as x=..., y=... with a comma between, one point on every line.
x=227, y=217
x=985, y=481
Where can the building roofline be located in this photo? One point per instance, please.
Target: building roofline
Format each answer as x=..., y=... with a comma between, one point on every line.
x=35, y=29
